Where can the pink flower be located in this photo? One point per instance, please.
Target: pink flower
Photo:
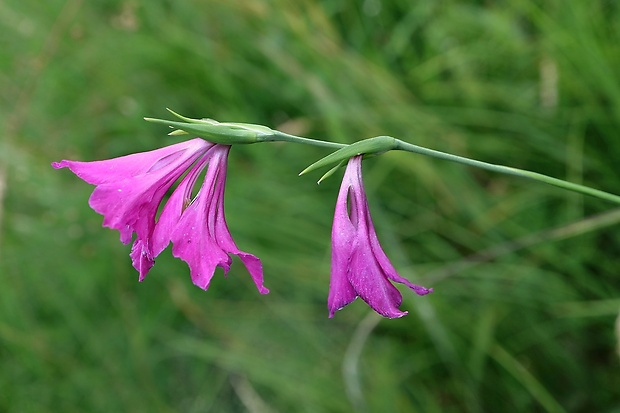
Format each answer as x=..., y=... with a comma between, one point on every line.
x=359, y=265
x=130, y=189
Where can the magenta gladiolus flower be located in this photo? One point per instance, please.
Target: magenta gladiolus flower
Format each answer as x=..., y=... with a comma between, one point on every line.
x=130, y=189
x=360, y=268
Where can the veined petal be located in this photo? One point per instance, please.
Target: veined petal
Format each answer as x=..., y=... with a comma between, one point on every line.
x=174, y=207
x=116, y=169
x=129, y=190
x=129, y=204
x=217, y=222
x=201, y=237
x=193, y=240
x=192, y=243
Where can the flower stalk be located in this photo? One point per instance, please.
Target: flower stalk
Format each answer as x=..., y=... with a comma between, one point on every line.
x=232, y=133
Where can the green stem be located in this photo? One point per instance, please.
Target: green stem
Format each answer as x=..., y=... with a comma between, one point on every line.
x=278, y=136
x=404, y=146
x=230, y=133
x=408, y=147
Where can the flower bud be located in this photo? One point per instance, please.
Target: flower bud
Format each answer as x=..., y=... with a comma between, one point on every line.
x=214, y=131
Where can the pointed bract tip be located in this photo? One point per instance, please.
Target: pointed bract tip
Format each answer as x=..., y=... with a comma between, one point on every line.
x=174, y=113
x=185, y=118
x=330, y=172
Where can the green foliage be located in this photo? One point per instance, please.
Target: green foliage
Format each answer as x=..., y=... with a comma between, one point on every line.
x=525, y=275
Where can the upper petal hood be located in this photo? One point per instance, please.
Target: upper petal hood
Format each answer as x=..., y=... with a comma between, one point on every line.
x=110, y=170
x=130, y=188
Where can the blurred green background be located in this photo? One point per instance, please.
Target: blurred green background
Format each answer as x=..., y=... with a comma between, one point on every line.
x=525, y=276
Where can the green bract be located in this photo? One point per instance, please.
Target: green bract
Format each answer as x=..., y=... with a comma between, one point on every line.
x=216, y=132
x=371, y=146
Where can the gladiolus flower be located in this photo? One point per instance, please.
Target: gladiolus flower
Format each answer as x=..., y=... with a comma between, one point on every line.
x=130, y=189
x=360, y=268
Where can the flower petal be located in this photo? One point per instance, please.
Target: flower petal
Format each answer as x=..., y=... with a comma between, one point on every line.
x=193, y=240
x=383, y=261
x=372, y=286
x=129, y=204
x=174, y=207
x=254, y=267
x=359, y=265
x=200, y=236
x=129, y=190
x=217, y=221
x=141, y=258
x=344, y=243
x=192, y=243
x=116, y=169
